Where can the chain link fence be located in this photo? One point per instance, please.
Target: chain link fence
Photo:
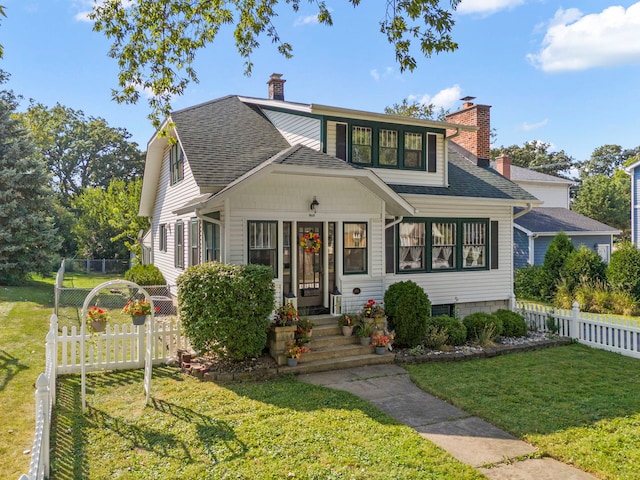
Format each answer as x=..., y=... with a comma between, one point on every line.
x=69, y=300
x=97, y=265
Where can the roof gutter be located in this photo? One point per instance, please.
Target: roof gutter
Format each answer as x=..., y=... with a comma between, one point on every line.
x=527, y=209
x=396, y=221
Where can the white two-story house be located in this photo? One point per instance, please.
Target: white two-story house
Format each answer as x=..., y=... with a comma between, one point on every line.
x=388, y=196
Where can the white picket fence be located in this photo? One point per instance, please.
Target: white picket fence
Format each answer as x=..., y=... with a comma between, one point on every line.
x=606, y=332
x=119, y=347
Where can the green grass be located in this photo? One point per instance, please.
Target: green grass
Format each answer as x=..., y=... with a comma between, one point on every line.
x=24, y=322
x=578, y=405
x=269, y=430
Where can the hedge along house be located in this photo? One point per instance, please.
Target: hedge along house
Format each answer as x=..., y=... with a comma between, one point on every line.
x=388, y=196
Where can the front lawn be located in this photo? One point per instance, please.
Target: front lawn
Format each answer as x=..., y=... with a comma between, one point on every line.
x=577, y=404
x=270, y=430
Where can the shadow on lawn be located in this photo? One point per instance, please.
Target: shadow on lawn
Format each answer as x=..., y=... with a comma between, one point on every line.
x=36, y=291
x=10, y=366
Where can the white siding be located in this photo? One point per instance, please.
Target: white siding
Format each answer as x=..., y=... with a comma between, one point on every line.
x=169, y=198
x=296, y=129
x=466, y=286
x=553, y=195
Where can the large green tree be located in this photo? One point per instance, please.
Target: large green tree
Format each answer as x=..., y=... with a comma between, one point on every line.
x=156, y=41
x=416, y=109
x=82, y=151
x=536, y=156
x=27, y=237
x=605, y=160
x=108, y=223
x=606, y=199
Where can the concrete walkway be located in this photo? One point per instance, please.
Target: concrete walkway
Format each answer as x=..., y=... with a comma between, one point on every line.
x=469, y=439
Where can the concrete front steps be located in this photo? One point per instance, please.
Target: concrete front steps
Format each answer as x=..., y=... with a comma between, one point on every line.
x=330, y=350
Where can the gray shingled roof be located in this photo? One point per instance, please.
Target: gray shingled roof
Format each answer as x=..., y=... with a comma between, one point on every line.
x=224, y=139
x=308, y=157
x=556, y=219
x=526, y=174
x=469, y=180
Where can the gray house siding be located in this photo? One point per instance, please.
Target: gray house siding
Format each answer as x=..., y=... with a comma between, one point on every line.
x=635, y=206
x=590, y=241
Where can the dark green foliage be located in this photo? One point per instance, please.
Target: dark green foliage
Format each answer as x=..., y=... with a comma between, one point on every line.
x=479, y=323
x=513, y=324
x=225, y=308
x=583, y=265
x=28, y=239
x=529, y=282
x=557, y=253
x=145, y=275
x=407, y=307
x=623, y=272
x=456, y=331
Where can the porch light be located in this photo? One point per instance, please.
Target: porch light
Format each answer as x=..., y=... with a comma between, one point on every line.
x=314, y=205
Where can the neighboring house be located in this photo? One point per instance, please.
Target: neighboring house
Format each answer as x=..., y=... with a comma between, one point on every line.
x=391, y=198
x=634, y=171
x=534, y=230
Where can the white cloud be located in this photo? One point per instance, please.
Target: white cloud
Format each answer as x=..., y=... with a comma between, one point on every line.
x=486, y=6
x=377, y=76
x=527, y=127
x=445, y=98
x=374, y=73
x=574, y=41
x=82, y=17
x=308, y=20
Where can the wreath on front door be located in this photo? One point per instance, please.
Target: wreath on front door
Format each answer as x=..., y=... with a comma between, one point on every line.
x=311, y=242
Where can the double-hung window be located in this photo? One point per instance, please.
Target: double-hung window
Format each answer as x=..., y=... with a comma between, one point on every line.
x=176, y=160
x=179, y=244
x=388, y=148
x=211, y=234
x=194, y=242
x=361, y=143
x=413, y=150
x=433, y=245
x=355, y=247
x=263, y=244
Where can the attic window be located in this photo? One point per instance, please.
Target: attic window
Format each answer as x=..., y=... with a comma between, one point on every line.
x=176, y=159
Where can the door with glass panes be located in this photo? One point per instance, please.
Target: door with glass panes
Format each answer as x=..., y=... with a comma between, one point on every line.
x=310, y=264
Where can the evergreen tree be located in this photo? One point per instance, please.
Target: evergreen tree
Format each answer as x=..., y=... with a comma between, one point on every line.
x=27, y=236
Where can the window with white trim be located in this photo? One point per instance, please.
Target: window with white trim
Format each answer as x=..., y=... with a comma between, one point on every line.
x=263, y=244
x=179, y=245
x=355, y=247
x=361, y=145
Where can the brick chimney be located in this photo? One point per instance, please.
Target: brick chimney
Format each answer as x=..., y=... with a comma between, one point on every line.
x=503, y=165
x=276, y=87
x=479, y=142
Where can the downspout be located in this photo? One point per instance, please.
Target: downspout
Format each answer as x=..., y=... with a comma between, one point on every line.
x=397, y=220
x=527, y=209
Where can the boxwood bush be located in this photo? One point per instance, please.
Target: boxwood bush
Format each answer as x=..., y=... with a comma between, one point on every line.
x=225, y=308
x=145, y=275
x=623, y=272
x=480, y=324
x=456, y=331
x=513, y=324
x=582, y=265
x=530, y=283
x=407, y=307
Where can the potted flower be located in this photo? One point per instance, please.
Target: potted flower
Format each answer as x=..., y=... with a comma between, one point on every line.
x=381, y=342
x=374, y=310
x=286, y=315
x=137, y=310
x=97, y=318
x=293, y=352
x=347, y=323
x=306, y=325
x=364, y=330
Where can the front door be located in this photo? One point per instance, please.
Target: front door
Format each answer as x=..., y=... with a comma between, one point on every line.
x=310, y=261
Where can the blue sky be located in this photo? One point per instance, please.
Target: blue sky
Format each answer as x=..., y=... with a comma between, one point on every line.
x=565, y=73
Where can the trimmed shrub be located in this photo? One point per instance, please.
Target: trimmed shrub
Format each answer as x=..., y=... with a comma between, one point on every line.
x=557, y=253
x=479, y=324
x=582, y=265
x=145, y=275
x=455, y=329
x=407, y=307
x=225, y=308
x=623, y=272
x=530, y=283
x=513, y=324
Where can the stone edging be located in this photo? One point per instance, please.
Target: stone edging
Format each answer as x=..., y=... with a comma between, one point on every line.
x=202, y=372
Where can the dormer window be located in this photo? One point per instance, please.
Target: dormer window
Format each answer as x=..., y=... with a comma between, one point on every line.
x=413, y=150
x=388, y=154
x=176, y=160
x=361, y=145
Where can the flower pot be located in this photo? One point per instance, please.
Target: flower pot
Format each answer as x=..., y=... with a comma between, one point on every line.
x=381, y=350
x=347, y=331
x=98, y=326
x=292, y=362
x=365, y=340
x=138, y=319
